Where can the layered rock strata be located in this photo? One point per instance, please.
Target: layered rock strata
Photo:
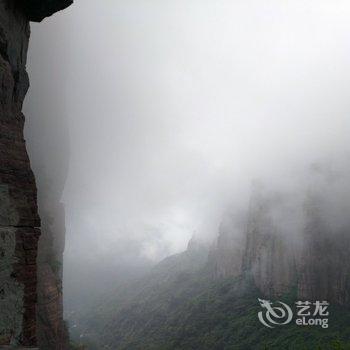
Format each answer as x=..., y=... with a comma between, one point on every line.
x=19, y=219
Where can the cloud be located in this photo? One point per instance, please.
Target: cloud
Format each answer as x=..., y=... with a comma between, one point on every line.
x=172, y=108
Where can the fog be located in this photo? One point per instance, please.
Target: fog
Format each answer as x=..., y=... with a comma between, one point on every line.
x=154, y=117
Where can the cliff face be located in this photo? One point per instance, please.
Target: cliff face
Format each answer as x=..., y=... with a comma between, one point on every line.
x=226, y=257
x=314, y=259
x=19, y=219
x=47, y=135
x=325, y=260
x=268, y=256
x=52, y=332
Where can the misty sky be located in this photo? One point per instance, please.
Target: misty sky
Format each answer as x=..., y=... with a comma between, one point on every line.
x=161, y=113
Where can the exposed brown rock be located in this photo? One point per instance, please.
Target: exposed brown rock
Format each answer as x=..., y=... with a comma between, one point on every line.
x=19, y=219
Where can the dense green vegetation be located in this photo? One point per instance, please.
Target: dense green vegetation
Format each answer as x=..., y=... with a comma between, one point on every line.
x=191, y=311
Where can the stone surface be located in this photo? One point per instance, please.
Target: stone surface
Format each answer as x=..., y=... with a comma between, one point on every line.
x=324, y=271
x=226, y=257
x=52, y=332
x=18, y=207
x=316, y=264
x=37, y=10
x=19, y=219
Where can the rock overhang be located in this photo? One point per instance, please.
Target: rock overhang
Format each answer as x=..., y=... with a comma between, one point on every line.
x=37, y=10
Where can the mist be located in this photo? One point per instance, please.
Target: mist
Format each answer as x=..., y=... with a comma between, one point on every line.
x=152, y=119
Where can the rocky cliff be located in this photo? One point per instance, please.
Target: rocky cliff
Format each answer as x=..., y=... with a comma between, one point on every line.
x=19, y=219
x=178, y=305
x=309, y=255
x=46, y=115
x=324, y=270
x=52, y=332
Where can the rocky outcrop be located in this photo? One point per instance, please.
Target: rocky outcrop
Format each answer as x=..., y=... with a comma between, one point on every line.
x=226, y=257
x=189, y=261
x=311, y=258
x=269, y=254
x=324, y=271
x=256, y=249
x=19, y=219
x=46, y=115
x=37, y=10
x=52, y=332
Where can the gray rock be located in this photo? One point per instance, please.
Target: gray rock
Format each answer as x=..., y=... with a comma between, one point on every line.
x=37, y=10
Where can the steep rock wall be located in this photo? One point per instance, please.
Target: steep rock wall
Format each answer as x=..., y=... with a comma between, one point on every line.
x=52, y=332
x=324, y=271
x=19, y=219
x=314, y=259
x=269, y=257
x=226, y=257
x=47, y=135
